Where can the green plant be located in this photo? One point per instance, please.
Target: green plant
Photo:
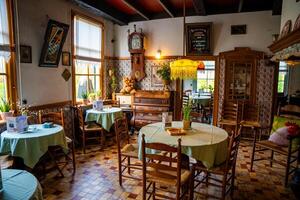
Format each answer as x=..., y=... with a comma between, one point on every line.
x=99, y=93
x=187, y=109
x=164, y=72
x=84, y=95
x=92, y=95
x=4, y=106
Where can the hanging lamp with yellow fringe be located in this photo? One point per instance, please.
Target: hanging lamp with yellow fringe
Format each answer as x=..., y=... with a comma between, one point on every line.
x=185, y=69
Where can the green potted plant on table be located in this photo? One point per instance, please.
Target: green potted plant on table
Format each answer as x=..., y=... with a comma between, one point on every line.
x=5, y=109
x=99, y=95
x=187, y=116
x=165, y=74
x=85, y=98
x=92, y=96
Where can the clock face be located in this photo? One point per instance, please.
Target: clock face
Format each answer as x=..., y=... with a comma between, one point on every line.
x=136, y=42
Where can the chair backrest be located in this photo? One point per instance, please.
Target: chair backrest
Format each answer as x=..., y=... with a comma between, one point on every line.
x=161, y=162
x=233, y=148
x=197, y=116
x=250, y=112
x=122, y=135
x=230, y=111
x=185, y=100
x=81, y=117
x=55, y=117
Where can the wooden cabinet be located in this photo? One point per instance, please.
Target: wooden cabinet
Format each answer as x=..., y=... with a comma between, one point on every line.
x=240, y=74
x=148, y=107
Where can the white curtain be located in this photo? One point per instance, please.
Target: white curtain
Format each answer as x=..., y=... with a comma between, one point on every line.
x=88, y=38
x=4, y=31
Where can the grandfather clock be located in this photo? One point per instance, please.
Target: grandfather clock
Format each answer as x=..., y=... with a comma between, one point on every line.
x=136, y=49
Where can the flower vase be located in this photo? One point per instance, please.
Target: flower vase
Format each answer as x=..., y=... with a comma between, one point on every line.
x=186, y=124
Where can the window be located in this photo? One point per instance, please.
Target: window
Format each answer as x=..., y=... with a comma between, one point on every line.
x=206, y=77
x=5, y=53
x=282, y=77
x=87, y=56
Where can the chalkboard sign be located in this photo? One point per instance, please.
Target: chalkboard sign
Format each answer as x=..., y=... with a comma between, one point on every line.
x=198, y=38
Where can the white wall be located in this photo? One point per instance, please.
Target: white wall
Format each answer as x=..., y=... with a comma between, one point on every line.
x=167, y=34
x=41, y=85
x=290, y=10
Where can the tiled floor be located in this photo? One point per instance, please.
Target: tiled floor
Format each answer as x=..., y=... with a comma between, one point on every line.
x=97, y=178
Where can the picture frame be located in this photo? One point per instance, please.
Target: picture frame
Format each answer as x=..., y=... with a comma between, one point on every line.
x=66, y=74
x=198, y=38
x=55, y=37
x=238, y=29
x=286, y=29
x=25, y=54
x=156, y=81
x=66, y=58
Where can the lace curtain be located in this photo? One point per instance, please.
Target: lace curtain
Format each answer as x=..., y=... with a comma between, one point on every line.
x=4, y=31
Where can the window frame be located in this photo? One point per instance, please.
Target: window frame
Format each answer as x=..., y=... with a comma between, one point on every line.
x=208, y=79
x=10, y=66
x=285, y=81
x=74, y=57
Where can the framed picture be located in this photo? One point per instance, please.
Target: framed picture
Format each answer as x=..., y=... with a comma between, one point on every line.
x=55, y=37
x=66, y=58
x=238, y=29
x=156, y=81
x=66, y=74
x=198, y=38
x=25, y=54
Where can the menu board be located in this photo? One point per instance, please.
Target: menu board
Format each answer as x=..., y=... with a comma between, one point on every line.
x=198, y=38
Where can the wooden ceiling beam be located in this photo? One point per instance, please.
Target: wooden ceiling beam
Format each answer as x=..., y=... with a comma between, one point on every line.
x=277, y=6
x=167, y=7
x=240, y=8
x=137, y=9
x=101, y=8
x=199, y=7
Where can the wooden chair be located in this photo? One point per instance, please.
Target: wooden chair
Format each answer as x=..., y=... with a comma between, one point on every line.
x=164, y=170
x=185, y=100
x=250, y=117
x=58, y=118
x=126, y=151
x=90, y=131
x=230, y=116
x=197, y=117
x=225, y=170
x=113, y=103
x=292, y=155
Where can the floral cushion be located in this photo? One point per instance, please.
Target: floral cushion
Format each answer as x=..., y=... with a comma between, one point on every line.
x=280, y=136
x=280, y=122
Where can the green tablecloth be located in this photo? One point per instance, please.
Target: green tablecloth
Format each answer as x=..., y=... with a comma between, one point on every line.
x=31, y=146
x=203, y=142
x=106, y=117
x=20, y=185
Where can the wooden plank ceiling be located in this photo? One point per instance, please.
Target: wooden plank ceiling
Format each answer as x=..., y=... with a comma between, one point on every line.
x=124, y=11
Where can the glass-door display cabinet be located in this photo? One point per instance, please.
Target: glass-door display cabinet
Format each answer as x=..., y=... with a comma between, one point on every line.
x=240, y=74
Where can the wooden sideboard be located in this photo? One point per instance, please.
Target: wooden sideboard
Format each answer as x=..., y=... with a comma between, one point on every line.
x=148, y=107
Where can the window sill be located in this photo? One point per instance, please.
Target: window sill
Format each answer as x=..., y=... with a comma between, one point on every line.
x=2, y=122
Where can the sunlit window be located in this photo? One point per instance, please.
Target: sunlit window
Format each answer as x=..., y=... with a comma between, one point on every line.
x=282, y=77
x=87, y=56
x=206, y=77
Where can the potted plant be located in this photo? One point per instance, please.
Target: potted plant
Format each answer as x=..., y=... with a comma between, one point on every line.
x=165, y=74
x=85, y=98
x=99, y=95
x=5, y=109
x=186, y=116
x=92, y=96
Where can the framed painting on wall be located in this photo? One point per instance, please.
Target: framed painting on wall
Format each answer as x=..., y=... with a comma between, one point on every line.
x=198, y=38
x=55, y=37
x=66, y=60
x=156, y=81
x=25, y=54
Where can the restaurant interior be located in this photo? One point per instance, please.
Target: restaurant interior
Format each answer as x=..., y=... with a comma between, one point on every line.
x=152, y=99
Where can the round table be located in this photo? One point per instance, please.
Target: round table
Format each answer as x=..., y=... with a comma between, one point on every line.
x=32, y=145
x=19, y=184
x=203, y=142
x=105, y=117
x=201, y=100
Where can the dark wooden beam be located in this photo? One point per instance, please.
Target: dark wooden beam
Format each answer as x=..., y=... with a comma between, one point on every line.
x=101, y=8
x=137, y=9
x=277, y=6
x=167, y=7
x=199, y=7
x=240, y=8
